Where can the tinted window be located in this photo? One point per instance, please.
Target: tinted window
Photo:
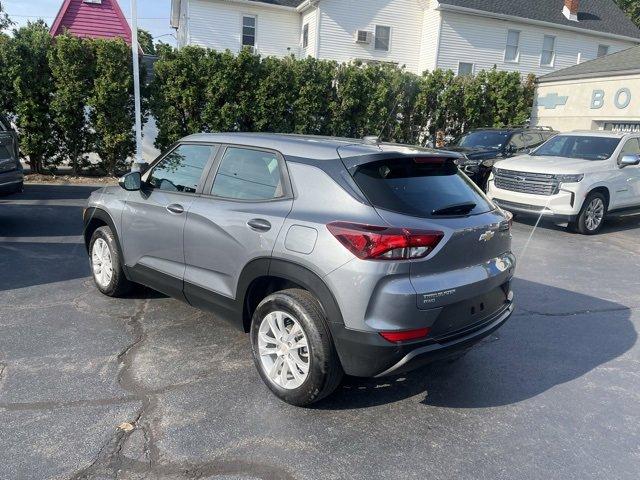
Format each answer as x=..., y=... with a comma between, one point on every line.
x=248, y=175
x=419, y=189
x=585, y=147
x=4, y=153
x=532, y=139
x=517, y=141
x=180, y=170
x=483, y=139
x=632, y=147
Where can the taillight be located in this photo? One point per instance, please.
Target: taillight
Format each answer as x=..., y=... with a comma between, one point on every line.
x=369, y=242
x=406, y=335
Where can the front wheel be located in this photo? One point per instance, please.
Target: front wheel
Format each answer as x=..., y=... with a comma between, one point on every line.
x=293, y=349
x=106, y=264
x=592, y=215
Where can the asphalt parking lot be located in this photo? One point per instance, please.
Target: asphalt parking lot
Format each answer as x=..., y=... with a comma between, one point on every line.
x=554, y=394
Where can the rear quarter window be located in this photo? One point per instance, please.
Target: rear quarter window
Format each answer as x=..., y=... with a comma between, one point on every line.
x=418, y=187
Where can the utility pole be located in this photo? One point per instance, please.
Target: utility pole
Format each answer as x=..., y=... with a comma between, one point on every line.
x=136, y=84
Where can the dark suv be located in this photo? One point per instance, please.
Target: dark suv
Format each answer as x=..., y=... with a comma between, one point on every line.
x=11, y=176
x=483, y=147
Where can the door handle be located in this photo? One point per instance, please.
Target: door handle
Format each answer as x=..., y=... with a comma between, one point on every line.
x=175, y=208
x=259, y=224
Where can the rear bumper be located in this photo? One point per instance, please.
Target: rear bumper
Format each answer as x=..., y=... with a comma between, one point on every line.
x=367, y=354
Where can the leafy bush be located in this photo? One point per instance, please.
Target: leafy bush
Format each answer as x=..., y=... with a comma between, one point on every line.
x=71, y=97
x=73, y=69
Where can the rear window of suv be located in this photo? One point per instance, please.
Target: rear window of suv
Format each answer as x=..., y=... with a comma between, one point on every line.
x=420, y=187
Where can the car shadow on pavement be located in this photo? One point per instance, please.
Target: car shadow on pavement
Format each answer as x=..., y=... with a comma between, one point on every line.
x=537, y=349
x=53, y=192
x=611, y=225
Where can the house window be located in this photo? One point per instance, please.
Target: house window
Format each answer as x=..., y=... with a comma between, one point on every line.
x=465, y=68
x=548, y=51
x=383, y=38
x=305, y=36
x=603, y=50
x=249, y=24
x=512, y=52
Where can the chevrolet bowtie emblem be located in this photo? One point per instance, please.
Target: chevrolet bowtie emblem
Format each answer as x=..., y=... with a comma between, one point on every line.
x=486, y=236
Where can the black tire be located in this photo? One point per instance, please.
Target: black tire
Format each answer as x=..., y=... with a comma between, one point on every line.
x=325, y=370
x=119, y=285
x=582, y=225
x=19, y=187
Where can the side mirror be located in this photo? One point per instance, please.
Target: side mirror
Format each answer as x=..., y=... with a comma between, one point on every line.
x=629, y=161
x=131, y=181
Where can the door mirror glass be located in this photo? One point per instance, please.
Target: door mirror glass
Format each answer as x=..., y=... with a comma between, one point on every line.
x=131, y=181
x=630, y=160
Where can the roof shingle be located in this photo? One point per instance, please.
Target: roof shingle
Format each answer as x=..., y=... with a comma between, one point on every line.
x=625, y=61
x=597, y=15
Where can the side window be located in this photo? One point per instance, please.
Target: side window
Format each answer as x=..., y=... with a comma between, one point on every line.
x=532, y=139
x=517, y=141
x=632, y=147
x=246, y=174
x=181, y=170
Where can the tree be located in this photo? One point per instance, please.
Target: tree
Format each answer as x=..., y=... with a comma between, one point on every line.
x=112, y=105
x=72, y=68
x=6, y=91
x=5, y=21
x=145, y=39
x=178, y=92
x=28, y=67
x=631, y=8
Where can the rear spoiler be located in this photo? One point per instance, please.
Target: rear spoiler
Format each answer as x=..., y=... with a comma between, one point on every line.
x=351, y=162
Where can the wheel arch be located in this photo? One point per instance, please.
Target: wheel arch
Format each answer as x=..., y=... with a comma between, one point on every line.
x=604, y=191
x=262, y=277
x=95, y=218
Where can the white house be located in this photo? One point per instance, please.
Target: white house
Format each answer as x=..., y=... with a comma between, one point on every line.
x=528, y=36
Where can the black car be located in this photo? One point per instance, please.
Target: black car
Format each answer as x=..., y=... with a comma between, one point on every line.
x=483, y=147
x=11, y=175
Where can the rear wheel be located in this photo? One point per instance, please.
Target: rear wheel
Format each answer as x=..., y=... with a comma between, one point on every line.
x=293, y=349
x=592, y=215
x=106, y=264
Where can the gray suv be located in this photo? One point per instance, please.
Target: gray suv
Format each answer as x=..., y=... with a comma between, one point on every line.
x=336, y=255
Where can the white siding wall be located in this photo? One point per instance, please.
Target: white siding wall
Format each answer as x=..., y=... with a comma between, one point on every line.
x=218, y=25
x=310, y=17
x=341, y=18
x=482, y=41
x=430, y=38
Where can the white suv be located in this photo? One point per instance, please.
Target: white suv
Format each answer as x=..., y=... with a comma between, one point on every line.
x=577, y=178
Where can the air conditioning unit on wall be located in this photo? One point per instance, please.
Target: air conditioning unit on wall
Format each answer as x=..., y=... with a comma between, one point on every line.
x=363, y=36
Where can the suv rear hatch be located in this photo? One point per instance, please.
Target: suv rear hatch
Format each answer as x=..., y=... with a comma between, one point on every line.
x=467, y=274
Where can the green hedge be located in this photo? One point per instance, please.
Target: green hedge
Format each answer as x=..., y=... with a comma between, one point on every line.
x=72, y=96
x=196, y=90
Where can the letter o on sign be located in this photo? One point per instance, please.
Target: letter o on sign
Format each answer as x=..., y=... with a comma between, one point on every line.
x=623, y=98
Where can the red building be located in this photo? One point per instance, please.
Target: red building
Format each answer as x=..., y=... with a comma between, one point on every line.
x=93, y=19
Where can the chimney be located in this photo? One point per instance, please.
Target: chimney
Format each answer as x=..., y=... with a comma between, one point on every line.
x=570, y=9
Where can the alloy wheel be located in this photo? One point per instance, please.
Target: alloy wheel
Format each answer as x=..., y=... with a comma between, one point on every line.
x=594, y=214
x=101, y=263
x=283, y=350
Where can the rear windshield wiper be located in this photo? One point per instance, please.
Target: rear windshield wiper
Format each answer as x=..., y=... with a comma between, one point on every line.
x=456, y=209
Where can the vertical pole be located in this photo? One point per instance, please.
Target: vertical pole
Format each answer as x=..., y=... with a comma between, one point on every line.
x=136, y=83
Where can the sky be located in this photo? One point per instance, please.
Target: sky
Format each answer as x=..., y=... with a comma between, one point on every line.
x=153, y=15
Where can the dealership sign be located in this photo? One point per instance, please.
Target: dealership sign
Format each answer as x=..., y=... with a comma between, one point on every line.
x=622, y=99
x=599, y=98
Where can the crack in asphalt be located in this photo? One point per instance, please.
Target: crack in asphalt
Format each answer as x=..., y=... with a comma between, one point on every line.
x=112, y=460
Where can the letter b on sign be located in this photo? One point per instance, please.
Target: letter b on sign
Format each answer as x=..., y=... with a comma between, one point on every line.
x=597, y=99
